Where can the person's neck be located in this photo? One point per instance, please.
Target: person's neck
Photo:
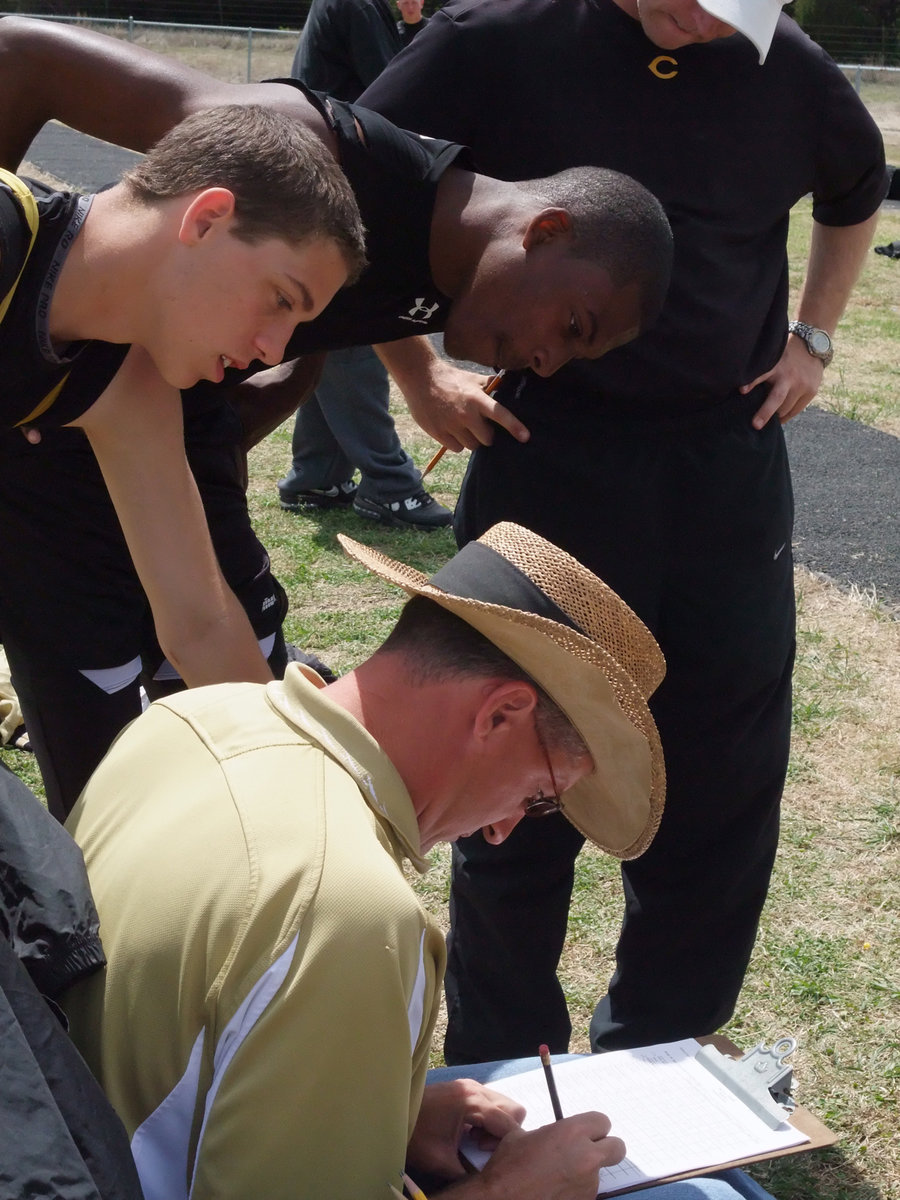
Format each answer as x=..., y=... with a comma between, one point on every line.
x=375, y=694
x=471, y=213
x=417, y=725
x=99, y=286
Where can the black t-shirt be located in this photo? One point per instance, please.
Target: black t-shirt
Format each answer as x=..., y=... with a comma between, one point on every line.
x=43, y=385
x=727, y=145
x=345, y=44
x=394, y=175
x=408, y=32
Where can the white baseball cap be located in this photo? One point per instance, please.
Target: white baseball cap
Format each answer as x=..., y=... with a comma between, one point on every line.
x=755, y=19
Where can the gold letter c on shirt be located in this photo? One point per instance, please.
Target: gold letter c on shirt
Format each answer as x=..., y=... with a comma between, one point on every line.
x=659, y=65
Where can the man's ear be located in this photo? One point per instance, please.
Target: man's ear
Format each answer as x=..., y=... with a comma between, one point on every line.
x=548, y=224
x=506, y=707
x=208, y=208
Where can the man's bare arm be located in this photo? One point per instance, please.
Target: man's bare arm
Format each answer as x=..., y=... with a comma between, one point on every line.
x=836, y=256
x=111, y=89
x=136, y=433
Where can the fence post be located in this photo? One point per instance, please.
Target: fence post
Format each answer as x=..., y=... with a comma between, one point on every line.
x=131, y=29
x=249, y=53
x=858, y=81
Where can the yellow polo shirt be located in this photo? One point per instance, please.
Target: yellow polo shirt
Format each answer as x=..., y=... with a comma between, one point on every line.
x=264, y=1024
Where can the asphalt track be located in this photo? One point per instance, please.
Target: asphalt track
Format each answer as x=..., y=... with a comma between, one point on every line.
x=846, y=475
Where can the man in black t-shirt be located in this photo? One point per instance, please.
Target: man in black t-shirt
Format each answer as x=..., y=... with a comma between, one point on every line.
x=345, y=45
x=536, y=303
x=346, y=424
x=661, y=466
x=411, y=20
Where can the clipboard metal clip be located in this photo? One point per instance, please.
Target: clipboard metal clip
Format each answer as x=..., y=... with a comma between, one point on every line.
x=760, y=1077
x=769, y=1066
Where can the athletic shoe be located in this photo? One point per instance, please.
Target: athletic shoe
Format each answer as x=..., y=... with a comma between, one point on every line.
x=341, y=495
x=418, y=511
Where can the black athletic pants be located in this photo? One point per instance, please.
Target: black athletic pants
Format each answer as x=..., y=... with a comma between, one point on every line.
x=71, y=722
x=70, y=599
x=690, y=520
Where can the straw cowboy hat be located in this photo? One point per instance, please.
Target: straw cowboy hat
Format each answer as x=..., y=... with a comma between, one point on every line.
x=583, y=645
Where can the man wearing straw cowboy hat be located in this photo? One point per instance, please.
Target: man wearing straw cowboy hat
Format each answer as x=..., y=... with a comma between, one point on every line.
x=264, y=1024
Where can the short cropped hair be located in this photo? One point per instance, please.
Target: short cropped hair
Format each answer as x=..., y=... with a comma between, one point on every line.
x=616, y=222
x=285, y=182
x=438, y=645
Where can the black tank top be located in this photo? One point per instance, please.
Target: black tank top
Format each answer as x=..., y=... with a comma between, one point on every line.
x=41, y=384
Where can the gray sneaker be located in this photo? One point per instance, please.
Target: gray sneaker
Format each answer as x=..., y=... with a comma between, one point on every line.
x=339, y=496
x=418, y=511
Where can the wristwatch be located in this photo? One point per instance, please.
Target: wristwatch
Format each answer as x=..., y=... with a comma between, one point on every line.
x=818, y=343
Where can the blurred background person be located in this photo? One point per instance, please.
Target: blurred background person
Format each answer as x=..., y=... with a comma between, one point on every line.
x=346, y=424
x=411, y=20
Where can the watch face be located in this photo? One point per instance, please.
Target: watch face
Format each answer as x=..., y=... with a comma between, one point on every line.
x=819, y=341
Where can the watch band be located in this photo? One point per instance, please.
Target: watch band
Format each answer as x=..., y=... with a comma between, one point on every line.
x=809, y=334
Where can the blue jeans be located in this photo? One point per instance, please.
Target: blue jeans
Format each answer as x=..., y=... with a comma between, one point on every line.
x=723, y=1185
x=346, y=425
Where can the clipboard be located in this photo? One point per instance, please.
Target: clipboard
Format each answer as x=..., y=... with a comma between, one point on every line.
x=801, y=1118
x=738, y=1084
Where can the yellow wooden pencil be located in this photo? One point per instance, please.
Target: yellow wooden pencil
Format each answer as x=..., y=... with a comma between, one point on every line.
x=396, y=1192
x=544, y=1053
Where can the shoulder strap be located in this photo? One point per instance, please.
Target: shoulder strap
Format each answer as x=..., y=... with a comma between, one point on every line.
x=16, y=203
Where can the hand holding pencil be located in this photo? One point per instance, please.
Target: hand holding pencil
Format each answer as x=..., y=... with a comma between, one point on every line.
x=488, y=388
x=558, y=1161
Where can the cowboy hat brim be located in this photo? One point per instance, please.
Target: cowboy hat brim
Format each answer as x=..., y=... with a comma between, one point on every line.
x=619, y=804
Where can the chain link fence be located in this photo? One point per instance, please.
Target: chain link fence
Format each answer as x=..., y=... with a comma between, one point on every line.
x=876, y=46
x=236, y=54
x=232, y=53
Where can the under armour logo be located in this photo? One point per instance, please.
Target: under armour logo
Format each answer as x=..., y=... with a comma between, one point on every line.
x=421, y=311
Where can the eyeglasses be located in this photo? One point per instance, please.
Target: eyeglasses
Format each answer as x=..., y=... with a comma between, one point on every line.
x=541, y=805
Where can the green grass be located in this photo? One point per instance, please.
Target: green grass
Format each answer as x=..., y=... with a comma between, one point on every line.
x=338, y=609
x=863, y=382
x=828, y=677
x=23, y=764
